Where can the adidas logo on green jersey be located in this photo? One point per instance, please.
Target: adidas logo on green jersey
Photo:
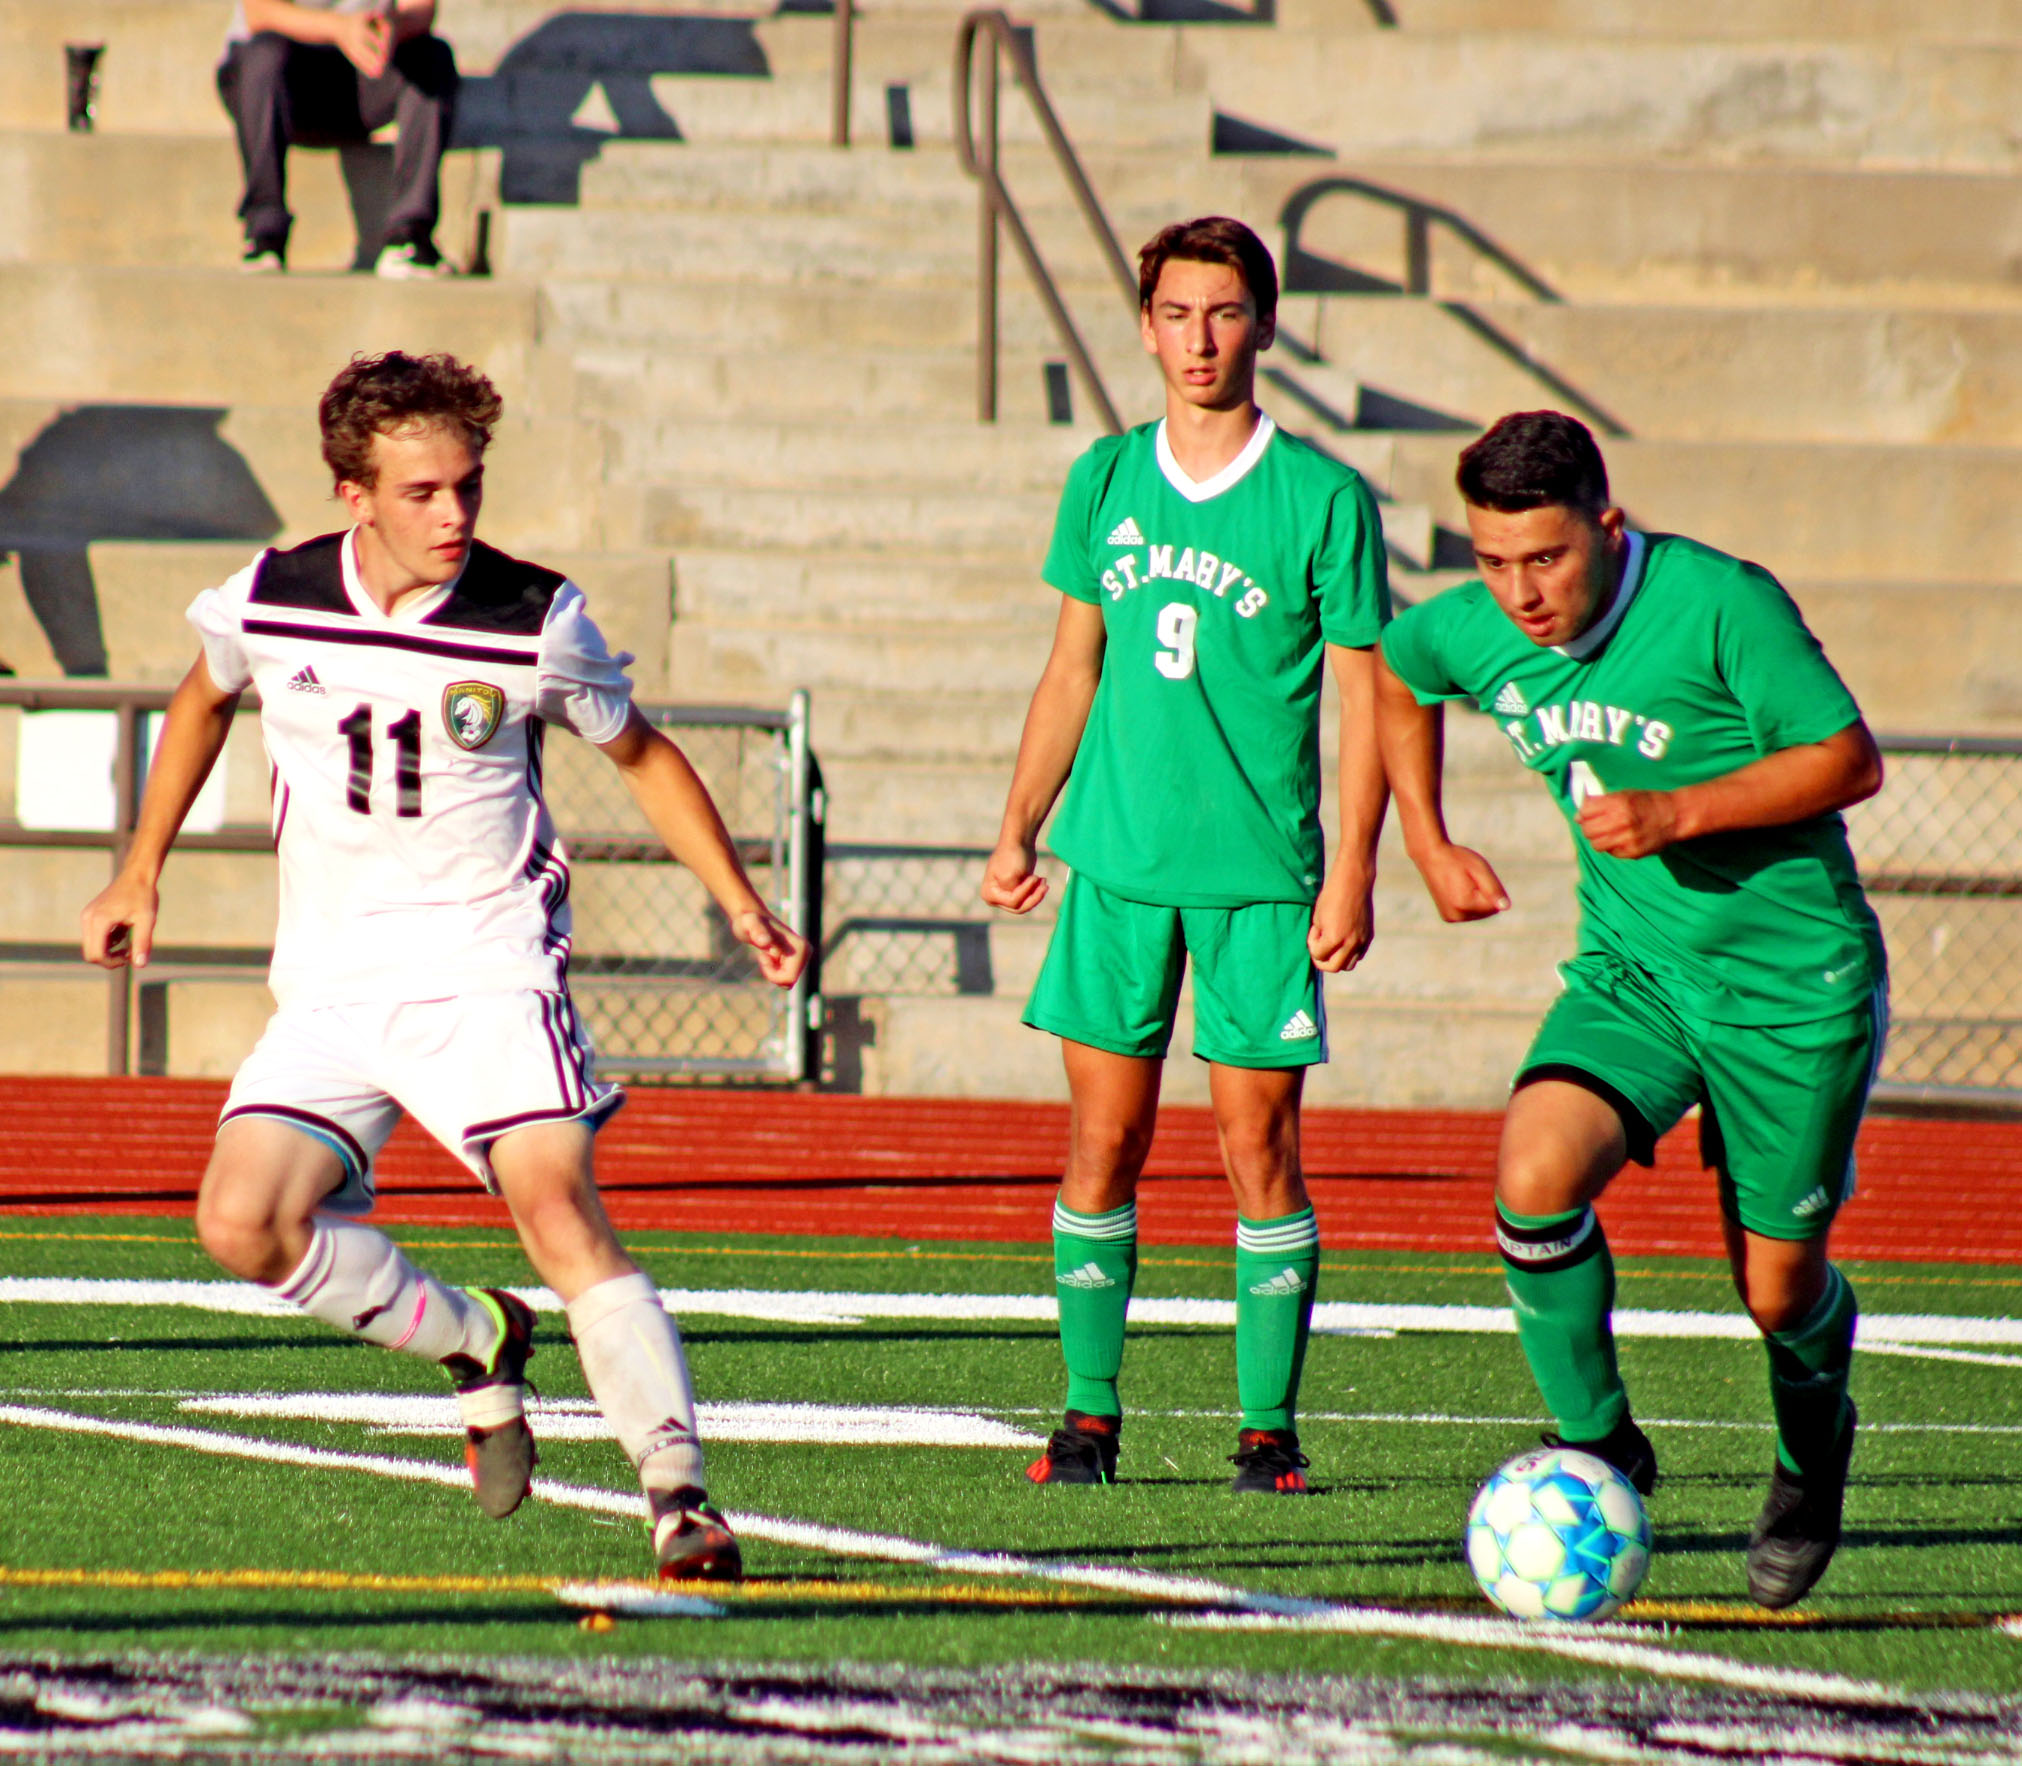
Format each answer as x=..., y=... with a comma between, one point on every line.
x=1089, y=1275
x=1298, y=1027
x=1812, y=1203
x=1510, y=702
x=1125, y=534
x=1284, y=1283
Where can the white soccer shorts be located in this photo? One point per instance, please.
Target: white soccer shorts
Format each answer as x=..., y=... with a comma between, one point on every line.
x=469, y=1070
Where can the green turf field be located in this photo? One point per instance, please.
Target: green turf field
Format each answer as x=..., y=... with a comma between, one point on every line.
x=110, y=1544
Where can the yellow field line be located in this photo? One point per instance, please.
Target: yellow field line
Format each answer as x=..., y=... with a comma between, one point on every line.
x=754, y=1590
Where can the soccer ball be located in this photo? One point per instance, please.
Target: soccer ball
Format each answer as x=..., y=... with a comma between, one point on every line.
x=1558, y=1535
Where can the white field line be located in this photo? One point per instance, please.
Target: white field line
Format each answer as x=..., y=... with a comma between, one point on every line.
x=1617, y=1646
x=578, y=1419
x=1329, y=1317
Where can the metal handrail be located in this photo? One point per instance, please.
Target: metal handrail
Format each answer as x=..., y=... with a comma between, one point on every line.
x=839, y=73
x=1420, y=217
x=996, y=204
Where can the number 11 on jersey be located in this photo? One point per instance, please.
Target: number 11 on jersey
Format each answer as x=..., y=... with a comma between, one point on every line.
x=406, y=733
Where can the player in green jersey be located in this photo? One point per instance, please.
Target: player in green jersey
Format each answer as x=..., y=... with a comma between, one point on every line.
x=1701, y=746
x=1210, y=568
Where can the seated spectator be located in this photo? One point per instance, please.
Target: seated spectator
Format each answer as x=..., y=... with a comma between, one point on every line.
x=326, y=71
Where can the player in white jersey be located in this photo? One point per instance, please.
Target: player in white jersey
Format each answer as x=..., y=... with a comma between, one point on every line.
x=406, y=674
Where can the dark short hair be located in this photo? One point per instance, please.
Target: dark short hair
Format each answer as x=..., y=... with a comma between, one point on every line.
x=386, y=394
x=1210, y=239
x=1533, y=458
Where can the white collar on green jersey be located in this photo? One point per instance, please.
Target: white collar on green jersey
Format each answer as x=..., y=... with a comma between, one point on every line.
x=1599, y=632
x=1231, y=474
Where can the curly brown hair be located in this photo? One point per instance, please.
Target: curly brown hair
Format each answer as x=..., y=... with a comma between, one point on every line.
x=1210, y=239
x=395, y=392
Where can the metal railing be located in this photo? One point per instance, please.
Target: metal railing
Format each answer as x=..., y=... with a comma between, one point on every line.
x=842, y=46
x=665, y=988
x=979, y=158
x=1940, y=851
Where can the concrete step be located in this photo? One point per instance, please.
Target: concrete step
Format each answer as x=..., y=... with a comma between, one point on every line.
x=1648, y=231
x=76, y=332
x=171, y=201
x=755, y=661
x=1935, y=21
x=1811, y=512
x=835, y=590
x=1732, y=374
x=1924, y=656
x=1523, y=97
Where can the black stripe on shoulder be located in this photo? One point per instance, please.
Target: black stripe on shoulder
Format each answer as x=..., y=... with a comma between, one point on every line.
x=310, y=575
x=499, y=594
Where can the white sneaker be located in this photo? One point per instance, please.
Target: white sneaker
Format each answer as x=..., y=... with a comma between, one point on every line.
x=411, y=263
x=263, y=260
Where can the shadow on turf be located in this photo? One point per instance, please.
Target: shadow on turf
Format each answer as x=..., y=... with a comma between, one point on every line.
x=235, y=1345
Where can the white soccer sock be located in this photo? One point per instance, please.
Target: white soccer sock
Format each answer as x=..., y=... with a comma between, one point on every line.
x=357, y=1279
x=631, y=1355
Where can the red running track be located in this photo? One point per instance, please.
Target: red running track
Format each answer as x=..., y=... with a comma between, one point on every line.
x=959, y=1169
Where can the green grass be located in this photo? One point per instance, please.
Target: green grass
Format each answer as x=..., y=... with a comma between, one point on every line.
x=1934, y=1517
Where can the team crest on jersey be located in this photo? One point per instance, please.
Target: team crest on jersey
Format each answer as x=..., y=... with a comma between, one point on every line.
x=471, y=711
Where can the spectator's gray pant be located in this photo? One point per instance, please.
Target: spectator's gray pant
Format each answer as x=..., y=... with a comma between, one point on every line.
x=280, y=92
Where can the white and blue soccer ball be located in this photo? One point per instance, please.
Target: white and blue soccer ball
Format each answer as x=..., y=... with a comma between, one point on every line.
x=1557, y=1534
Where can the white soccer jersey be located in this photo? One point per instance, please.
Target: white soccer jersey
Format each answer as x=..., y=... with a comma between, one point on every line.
x=418, y=860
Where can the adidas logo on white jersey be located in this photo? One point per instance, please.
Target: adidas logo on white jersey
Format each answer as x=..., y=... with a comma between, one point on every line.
x=305, y=682
x=1813, y=1203
x=1510, y=702
x=1286, y=1281
x=1089, y=1275
x=1125, y=534
x=1298, y=1027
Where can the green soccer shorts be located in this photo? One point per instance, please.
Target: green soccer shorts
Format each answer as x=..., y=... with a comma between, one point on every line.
x=1112, y=973
x=1780, y=1104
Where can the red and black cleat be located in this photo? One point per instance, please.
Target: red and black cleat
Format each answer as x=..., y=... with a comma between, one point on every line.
x=1268, y=1461
x=1081, y=1451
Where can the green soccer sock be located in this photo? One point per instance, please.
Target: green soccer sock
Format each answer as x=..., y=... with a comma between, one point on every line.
x=1808, y=1367
x=1094, y=1269
x=1277, y=1268
x=1561, y=1283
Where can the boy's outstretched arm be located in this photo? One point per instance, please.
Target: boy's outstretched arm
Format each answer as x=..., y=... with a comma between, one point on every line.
x=678, y=805
x=118, y=922
x=1344, y=917
x=1046, y=751
x=1463, y=884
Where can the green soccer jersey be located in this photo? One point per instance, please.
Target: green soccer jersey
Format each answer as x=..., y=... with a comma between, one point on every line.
x=1197, y=782
x=1700, y=665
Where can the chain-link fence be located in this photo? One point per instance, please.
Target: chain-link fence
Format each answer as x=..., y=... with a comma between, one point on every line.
x=909, y=919
x=663, y=985
x=1940, y=852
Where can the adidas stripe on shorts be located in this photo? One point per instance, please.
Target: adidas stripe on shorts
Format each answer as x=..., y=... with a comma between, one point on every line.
x=469, y=1070
x=1113, y=970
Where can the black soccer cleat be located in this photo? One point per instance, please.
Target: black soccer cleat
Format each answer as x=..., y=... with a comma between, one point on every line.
x=692, y=1540
x=1794, y=1537
x=500, y=1454
x=1268, y=1462
x=1081, y=1451
x=1625, y=1447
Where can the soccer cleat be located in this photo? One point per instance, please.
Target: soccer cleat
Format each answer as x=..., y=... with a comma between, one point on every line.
x=500, y=1451
x=1625, y=1447
x=410, y=262
x=1081, y=1451
x=1794, y=1537
x=1268, y=1461
x=692, y=1540
x=263, y=260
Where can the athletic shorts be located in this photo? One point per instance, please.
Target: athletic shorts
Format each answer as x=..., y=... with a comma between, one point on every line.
x=468, y=1070
x=1779, y=1104
x=1112, y=974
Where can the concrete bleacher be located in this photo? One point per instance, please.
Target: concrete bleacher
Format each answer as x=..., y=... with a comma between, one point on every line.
x=740, y=372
